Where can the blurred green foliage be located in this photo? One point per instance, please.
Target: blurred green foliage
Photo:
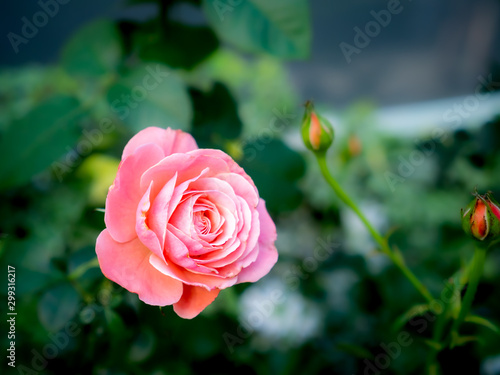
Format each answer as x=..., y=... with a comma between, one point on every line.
x=63, y=128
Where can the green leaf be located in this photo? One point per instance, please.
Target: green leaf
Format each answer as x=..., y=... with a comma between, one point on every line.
x=355, y=350
x=434, y=344
x=32, y=258
x=216, y=117
x=44, y=220
x=151, y=95
x=457, y=284
x=114, y=322
x=32, y=255
x=169, y=46
x=143, y=345
x=412, y=312
x=279, y=27
x=23, y=88
x=58, y=306
x=31, y=144
x=275, y=169
x=462, y=340
x=483, y=322
x=94, y=50
x=117, y=331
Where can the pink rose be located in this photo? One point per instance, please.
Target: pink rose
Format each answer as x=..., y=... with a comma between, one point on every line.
x=182, y=223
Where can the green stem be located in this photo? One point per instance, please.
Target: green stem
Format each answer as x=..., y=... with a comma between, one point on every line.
x=396, y=258
x=82, y=268
x=439, y=326
x=459, y=280
x=433, y=369
x=475, y=273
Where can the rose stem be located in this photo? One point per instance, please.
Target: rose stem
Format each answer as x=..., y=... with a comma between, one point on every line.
x=396, y=258
x=475, y=273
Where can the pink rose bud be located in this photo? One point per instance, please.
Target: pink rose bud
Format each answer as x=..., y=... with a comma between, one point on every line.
x=481, y=219
x=183, y=223
x=317, y=132
x=354, y=145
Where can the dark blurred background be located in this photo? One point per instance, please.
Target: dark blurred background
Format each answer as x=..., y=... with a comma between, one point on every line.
x=430, y=50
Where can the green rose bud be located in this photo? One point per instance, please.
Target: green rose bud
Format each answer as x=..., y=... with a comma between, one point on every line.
x=317, y=132
x=481, y=219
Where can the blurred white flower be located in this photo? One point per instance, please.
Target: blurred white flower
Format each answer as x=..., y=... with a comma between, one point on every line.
x=491, y=366
x=278, y=315
x=339, y=284
x=359, y=240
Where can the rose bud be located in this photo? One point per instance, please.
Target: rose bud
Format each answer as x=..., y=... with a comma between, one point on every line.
x=481, y=219
x=354, y=145
x=317, y=132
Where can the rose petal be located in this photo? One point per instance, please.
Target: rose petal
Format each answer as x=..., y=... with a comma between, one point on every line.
x=267, y=258
x=170, y=141
x=128, y=264
x=234, y=258
x=267, y=228
x=176, y=251
x=187, y=166
x=195, y=247
x=148, y=237
x=268, y=255
x=242, y=187
x=180, y=190
x=494, y=209
x=182, y=217
x=206, y=281
x=158, y=215
x=126, y=192
x=231, y=164
x=194, y=300
x=479, y=224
